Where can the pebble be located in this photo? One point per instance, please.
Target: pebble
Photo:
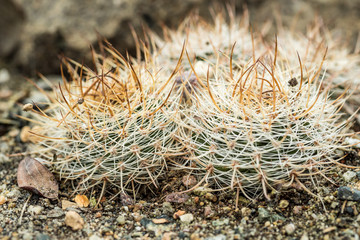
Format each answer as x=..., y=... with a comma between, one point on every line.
x=4, y=75
x=304, y=236
x=74, y=220
x=283, y=203
x=55, y=213
x=208, y=212
x=349, y=175
x=347, y=193
x=245, y=212
x=121, y=220
x=66, y=204
x=177, y=197
x=217, y=237
x=220, y=222
x=2, y=200
x=358, y=175
x=14, y=194
x=211, y=197
x=297, y=209
x=187, y=218
x=167, y=208
x=290, y=228
x=189, y=181
x=42, y=236
x=201, y=191
x=264, y=215
x=35, y=210
x=95, y=237
x=27, y=236
x=334, y=205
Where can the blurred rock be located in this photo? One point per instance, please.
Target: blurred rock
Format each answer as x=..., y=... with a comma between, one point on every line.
x=44, y=29
x=11, y=25
x=37, y=32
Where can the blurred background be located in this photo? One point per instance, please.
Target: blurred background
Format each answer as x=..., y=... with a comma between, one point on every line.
x=34, y=33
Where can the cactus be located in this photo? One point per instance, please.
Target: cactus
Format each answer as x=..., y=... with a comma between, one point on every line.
x=213, y=100
x=262, y=126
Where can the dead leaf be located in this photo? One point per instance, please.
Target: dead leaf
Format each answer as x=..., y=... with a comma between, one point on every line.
x=177, y=197
x=178, y=214
x=36, y=178
x=160, y=220
x=82, y=201
x=74, y=220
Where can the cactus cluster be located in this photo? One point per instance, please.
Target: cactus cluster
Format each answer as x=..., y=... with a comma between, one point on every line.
x=215, y=101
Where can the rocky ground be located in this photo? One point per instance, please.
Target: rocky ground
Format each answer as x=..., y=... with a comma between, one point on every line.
x=202, y=214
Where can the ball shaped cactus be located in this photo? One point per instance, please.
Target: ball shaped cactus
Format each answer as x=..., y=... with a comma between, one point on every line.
x=108, y=125
x=214, y=100
x=261, y=126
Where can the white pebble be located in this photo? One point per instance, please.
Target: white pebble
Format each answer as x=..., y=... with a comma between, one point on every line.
x=290, y=228
x=187, y=218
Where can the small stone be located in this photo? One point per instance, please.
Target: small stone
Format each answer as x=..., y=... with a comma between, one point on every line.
x=4, y=75
x=211, y=197
x=2, y=200
x=98, y=215
x=126, y=200
x=297, y=210
x=74, y=220
x=13, y=194
x=347, y=193
x=263, y=214
x=201, y=191
x=349, y=175
x=187, y=218
x=283, y=204
x=27, y=236
x=290, y=228
x=55, y=213
x=42, y=236
x=189, y=181
x=177, y=197
x=160, y=220
x=208, y=212
x=334, y=205
x=304, y=236
x=220, y=222
x=358, y=175
x=27, y=107
x=217, y=237
x=168, y=236
x=167, y=208
x=121, y=220
x=195, y=236
x=137, y=217
x=67, y=204
x=245, y=212
x=95, y=237
x=35, y=210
